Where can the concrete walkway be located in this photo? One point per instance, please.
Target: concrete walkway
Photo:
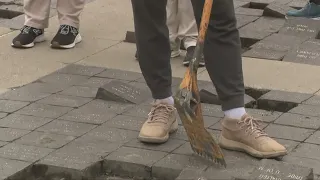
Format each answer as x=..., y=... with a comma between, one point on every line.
x=103, y=27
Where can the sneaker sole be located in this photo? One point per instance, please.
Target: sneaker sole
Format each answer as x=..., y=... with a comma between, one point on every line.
x=38, y=39
x=176, y=54
x=69, y=46
x=159, y=140
x=237, y=146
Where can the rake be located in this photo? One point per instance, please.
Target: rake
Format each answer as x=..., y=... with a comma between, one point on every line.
x=187, y=101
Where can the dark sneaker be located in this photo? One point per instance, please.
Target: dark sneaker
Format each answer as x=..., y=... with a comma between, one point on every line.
x=28, y=37
x=67, y=37
x=310, y=10
x=189, y=56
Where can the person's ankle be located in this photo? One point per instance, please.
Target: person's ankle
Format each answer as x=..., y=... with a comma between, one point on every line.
x=235, y=113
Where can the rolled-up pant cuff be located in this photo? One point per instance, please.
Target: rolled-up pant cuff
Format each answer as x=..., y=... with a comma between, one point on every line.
x=233, y=102
x=162, y=93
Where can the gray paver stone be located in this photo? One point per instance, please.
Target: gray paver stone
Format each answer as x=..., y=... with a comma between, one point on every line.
x=62, y=100
x=282, y=2
x=306, y=150
x=88, y=114
x=2, y=143
x=2, y=115
x=23, y=122
x=264, y=54
x=306, y=53
x=66, y=128
x=300, y=27
x=314, y=138
x=10, y=167
x=112, y=134
x=22, y=95
x=132, y=162
x=171, y=166
x=11, y=106
x=43, y=87
x=169, y=146
x=44, y=110
x=277, y=10
x=281, y=101
x=248, y=11
x=307, y=110
x=108, y=106
x=270, y=169
x=243, y=20
x=44, y=139
x=80, y=154
x=306, y=162
x=10, y=11
x=297, y=4
x=237, y=4
x=23, y=152
x=140, y=111
x=94, y=82
x=279, y=42
x=87, y=92
x=125, y=122
x=130, y=37
x=287, y=132
x=63, y=79
x=260, y=4
x=314, y=100
x=122, y=92
x=299, y=121
x=211, y=110
x=9, y=134
x=120, y=75
x=77, y=69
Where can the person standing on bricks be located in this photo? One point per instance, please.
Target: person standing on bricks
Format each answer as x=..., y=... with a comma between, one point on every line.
x=222, y=55
x=182, y=29
x=37, y=19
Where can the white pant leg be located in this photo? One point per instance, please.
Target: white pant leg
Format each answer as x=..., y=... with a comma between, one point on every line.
x=188, y=30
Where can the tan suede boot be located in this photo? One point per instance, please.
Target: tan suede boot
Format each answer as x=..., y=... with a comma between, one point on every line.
x=247, y=136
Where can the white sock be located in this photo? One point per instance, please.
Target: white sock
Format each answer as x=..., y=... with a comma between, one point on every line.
x=235, y=113
x=168, y=100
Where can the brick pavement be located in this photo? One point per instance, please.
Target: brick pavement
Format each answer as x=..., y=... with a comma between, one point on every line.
x=55, y=128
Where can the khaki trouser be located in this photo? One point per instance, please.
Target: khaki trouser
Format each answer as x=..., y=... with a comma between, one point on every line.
x=37, y=12
x=181, y=22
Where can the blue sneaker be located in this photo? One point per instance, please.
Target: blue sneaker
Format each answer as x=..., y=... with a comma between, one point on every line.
x=310, y=10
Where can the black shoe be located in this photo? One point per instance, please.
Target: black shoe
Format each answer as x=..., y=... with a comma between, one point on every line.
x=67, y=37
x=28, y=37
x=189, y=56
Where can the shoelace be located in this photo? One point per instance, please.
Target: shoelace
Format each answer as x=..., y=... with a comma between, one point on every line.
x=160, y=113
x=65, y=29
x=25, y=29
x=253, y=126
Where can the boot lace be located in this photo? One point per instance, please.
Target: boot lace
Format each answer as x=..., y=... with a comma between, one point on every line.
x=160, y=113
x=252, y=126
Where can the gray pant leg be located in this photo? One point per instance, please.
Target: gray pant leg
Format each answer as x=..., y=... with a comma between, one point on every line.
x=222, y=52
x=153, y=45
